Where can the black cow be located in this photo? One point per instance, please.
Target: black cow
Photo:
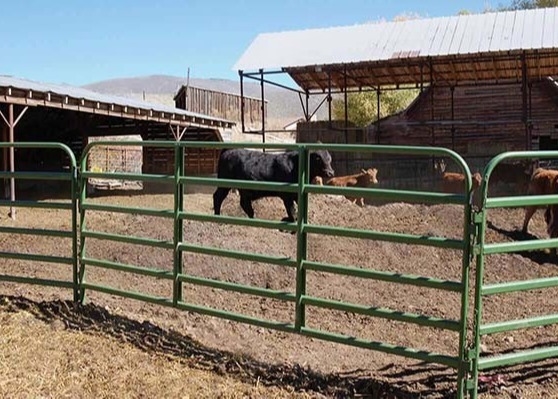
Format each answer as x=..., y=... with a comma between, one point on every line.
x=242, y=164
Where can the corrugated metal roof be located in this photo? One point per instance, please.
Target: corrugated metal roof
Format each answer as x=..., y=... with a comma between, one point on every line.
x=445, y=36
x=91, y=96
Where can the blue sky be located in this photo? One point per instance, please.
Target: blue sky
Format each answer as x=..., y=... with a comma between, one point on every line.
x=80, y=42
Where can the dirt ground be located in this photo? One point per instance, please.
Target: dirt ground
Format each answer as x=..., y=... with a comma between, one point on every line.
x=95, y=349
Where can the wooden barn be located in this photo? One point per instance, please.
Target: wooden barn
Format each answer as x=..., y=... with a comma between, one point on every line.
x=485, y=81
x=41, y=112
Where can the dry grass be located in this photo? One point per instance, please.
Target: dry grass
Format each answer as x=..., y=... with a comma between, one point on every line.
x=45, y=359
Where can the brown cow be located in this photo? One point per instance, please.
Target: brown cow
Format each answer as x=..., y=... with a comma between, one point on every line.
x=551, y=215
x=543, y=181
x=365, y=178
x=452, y=182
x=318, y=180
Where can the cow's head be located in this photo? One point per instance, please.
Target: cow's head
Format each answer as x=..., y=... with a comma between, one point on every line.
x=318, y=181
x=320, y=164
x=369, y=176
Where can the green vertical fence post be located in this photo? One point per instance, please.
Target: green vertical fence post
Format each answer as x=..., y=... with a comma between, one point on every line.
x=302, y=237
x=178, y=222
x=468, y=237
x=82, y=186
x=480, y=222
x=74, y=185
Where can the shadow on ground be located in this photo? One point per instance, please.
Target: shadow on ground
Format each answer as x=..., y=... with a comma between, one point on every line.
x=538, y=256
x=391, y=382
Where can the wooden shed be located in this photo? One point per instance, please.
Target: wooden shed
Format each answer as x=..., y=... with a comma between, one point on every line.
x=222, y=105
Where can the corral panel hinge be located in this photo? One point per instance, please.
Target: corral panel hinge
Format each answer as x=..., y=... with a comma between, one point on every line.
x=477, y=217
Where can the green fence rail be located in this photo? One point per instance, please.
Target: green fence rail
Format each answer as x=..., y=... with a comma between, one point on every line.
x=482, y=290
x=302, y=301
x=70, y=204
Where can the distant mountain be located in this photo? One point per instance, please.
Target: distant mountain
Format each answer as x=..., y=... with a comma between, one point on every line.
x=283, y=105
x=159, y=84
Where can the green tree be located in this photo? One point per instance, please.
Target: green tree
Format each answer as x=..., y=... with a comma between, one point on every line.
x=529, y=4
x=362, y=108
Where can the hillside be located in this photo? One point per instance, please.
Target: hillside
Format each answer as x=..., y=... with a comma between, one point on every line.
x=283, y=105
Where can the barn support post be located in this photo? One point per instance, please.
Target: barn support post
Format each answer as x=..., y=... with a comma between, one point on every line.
x=304, y=106
x=346, y=103
x=378, y=104
x=242, y=101
x=452, y=91
x=530, y=119
x=263, y=105
x=346, y=124
x=5, y=154
x=432, y=130
x=329, y=98
x=346, y=110
x=307, y=113
x=12, y=159
x=421, y=77
x=82, y=131
x=11, y=122
x=524, y=102
x=178, y=133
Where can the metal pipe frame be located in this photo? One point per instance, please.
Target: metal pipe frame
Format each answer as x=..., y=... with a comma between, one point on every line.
x=435, y=79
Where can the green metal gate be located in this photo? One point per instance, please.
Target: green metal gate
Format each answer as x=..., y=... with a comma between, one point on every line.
x=482, y=290
x=179, y=274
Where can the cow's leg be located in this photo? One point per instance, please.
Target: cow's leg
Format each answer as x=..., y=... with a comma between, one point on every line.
x=218, y=197
x=290, y=207
x=246, y=204
x=529, y=212
x=360, y=202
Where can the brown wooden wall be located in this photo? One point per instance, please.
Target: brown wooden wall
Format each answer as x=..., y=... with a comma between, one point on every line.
x=221, y=105
x=496, y=108
x=197, y=161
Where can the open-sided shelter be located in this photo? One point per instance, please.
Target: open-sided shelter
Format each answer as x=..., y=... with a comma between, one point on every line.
x=39, y=112
x=446, y=57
